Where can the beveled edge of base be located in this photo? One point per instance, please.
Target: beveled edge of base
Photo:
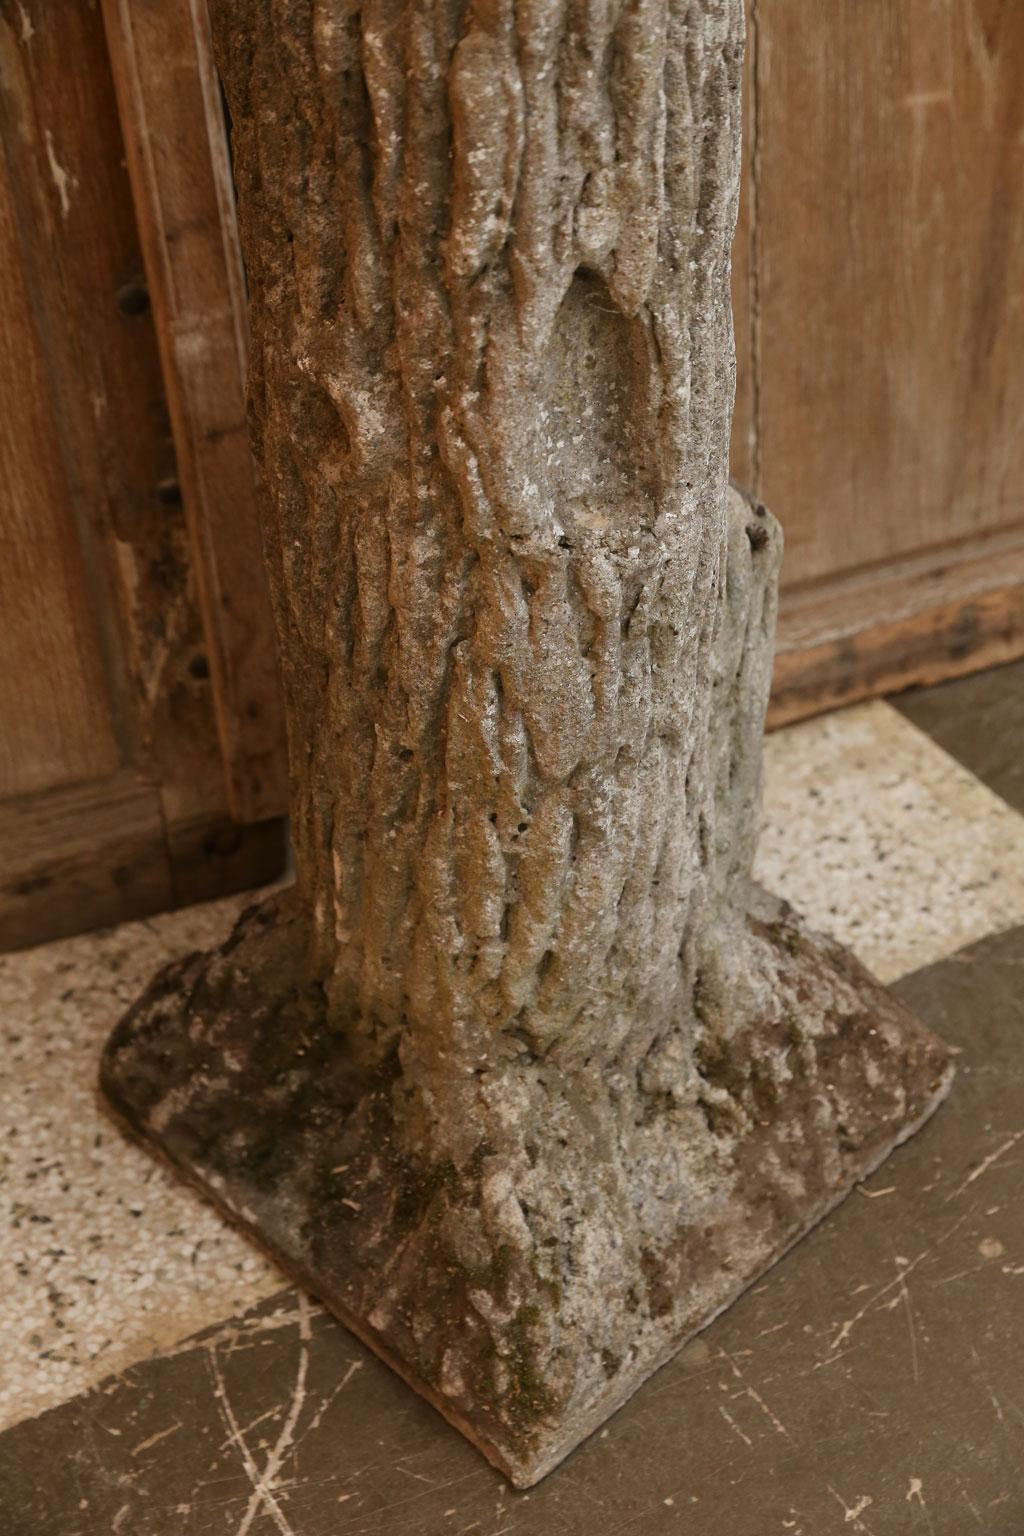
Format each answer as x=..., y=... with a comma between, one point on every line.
x=521, y=1473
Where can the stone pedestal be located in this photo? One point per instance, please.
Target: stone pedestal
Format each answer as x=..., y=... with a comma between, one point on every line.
x=523, y=1077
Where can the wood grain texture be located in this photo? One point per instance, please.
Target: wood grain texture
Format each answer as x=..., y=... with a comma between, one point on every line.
x=879, y=288
x=95, y=849
x=890, y=276
x=103, y=666
x=910, y=622
x=173, y=124
x=946, y=641
x=56, y=724
x=97, y=853
x=81, y=259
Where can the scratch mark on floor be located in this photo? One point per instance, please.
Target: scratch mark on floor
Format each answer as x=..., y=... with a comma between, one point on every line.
x=766, y=1331
x=261, y=1491
x=970, y=1504
x=986, y=1164
x=773, y=1417
x=226, y=1339
x=1014, y=1408
x=916, y=1491
x=283, y=1444
x=954, y=1228
x=756, y=1397
x=830, y=1359
x=911, y=1326
x=315, y=1421
x=161, y=1434
x=727, y=1416
x=477, y=1475
x=852, y=1512
x=246, y=1430
x=961, y=1274
x=417, y=1475
x=851, y=1322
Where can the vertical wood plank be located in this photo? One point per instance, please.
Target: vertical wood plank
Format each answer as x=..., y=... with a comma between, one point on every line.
x=177, y=157
x=83, y=264
x=53, y=692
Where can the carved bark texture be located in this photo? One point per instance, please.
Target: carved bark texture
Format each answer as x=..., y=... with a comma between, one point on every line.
x=488, y=255
x=518, y=1078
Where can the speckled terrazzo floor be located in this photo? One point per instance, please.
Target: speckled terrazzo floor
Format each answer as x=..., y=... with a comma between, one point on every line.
x=884, y=840
x=875, y=831
x=106, y=1257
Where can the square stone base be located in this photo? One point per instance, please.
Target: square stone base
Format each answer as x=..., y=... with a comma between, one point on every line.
x=227, y=1067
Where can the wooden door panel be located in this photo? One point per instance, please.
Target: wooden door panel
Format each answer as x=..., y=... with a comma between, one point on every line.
x=53, y=697
x=879, y=280
x=135, y=816
x=890, y=316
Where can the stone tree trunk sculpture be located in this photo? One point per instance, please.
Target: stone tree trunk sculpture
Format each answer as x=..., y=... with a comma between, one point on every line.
x=522, y=1076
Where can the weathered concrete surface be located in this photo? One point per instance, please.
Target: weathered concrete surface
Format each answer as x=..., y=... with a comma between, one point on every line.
x=522, y=1078
x=527, y=1297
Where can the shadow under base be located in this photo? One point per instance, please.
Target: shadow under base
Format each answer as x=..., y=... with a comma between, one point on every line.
x=525, y=1336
